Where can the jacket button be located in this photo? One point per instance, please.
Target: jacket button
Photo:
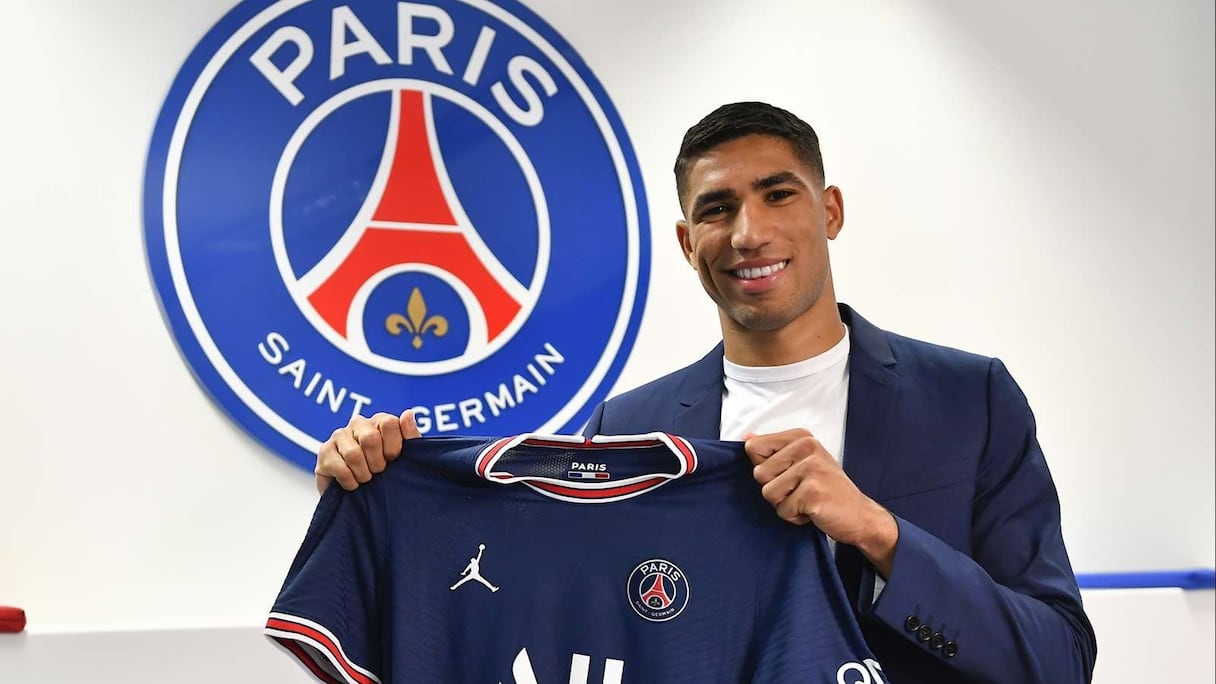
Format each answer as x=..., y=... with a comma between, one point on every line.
x=950, y=649
x=911, y=623
x=938, y=640
x=924, y=633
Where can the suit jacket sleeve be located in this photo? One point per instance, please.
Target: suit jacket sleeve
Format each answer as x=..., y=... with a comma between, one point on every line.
x=1012, y=608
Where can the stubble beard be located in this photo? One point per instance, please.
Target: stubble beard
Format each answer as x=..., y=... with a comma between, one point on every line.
x=769, y=316
x=757, y=318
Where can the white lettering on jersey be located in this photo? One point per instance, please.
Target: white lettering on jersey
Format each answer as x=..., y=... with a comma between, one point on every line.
x=867, y=673
x=580, y=664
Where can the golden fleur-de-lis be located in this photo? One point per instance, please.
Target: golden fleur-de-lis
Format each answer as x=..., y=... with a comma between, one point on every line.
x=417, y=323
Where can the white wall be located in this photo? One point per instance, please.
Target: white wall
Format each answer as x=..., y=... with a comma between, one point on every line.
x=1030, y=180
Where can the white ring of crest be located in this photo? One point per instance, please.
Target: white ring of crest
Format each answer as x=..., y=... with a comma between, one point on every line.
x=173, y=248
x=355, y=345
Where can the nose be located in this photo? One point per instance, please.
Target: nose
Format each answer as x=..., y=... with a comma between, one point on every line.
x=752, y=230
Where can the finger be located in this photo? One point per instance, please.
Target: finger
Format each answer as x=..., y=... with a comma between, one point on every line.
x=790, y=495
x=801, y=504
x=330, y=463
x=758, y=449
x=390, y=441
x=761, y=447
x=788, y=511
x=772, y=467
x=784, y=459
x=325, y=455
x=794, y=506
x=365, y=439
x=780, y=488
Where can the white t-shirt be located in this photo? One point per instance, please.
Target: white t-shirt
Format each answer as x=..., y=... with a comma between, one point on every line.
x=811, y=394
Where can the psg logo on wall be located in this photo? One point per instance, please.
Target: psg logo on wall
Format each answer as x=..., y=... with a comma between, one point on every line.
x=369, y=206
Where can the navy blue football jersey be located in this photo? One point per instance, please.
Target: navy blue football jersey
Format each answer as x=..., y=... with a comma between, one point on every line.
x=546, y=559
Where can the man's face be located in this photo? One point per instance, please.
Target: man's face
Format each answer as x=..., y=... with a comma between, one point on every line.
x=756, y=227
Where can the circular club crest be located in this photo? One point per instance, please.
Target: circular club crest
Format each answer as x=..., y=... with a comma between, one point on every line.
x=657, y=590
x=369, y=206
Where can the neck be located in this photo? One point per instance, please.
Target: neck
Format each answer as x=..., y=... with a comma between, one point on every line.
x=814, y=332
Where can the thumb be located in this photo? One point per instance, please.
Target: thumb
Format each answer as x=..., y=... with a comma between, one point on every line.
x=409, y=425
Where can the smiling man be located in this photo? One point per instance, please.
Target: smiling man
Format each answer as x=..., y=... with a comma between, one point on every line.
x=919, y=462
x=945, y=517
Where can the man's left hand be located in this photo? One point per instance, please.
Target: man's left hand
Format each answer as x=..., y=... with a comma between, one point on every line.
x=805, y=484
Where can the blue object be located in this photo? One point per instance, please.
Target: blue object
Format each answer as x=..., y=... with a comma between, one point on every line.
x=497, y=561
x=1196, y=578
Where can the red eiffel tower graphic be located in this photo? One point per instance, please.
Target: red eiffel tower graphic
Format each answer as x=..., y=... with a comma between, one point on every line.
x=657, y=590
x=413, y=223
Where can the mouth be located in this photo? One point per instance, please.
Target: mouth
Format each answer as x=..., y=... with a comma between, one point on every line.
x=756, y=273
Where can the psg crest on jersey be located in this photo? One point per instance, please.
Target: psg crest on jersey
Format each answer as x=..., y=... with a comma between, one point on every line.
x=657, y=590
x=370, y=206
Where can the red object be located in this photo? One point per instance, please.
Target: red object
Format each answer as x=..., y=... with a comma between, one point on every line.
x=12, y=619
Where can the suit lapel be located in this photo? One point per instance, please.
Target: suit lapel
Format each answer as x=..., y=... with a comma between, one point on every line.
x=699, y=413
x=873, y=396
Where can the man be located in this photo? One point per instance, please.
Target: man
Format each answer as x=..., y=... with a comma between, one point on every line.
x=944, y=515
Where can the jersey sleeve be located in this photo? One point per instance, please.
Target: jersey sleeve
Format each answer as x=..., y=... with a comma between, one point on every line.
x=326, y=614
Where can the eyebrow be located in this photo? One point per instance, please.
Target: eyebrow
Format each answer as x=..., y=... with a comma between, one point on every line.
x=711, y=197
x=779, y=178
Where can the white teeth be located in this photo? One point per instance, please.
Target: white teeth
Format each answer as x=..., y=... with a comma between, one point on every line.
x=753, y=273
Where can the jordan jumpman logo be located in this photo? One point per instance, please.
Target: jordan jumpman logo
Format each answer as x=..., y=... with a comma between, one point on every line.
x=472, y=571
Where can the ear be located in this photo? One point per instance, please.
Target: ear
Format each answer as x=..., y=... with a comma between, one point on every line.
x=833, y=208
x=685, y=242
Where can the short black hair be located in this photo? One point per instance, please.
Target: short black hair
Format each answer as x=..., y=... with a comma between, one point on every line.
x=740, y=119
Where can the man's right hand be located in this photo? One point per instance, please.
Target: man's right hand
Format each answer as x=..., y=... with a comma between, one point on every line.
x=354, y=453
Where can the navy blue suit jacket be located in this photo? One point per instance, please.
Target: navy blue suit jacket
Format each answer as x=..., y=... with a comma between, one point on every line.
x=945, y=440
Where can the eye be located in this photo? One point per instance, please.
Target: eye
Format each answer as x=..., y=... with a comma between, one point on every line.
x=778, y=195
x=712, y=212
